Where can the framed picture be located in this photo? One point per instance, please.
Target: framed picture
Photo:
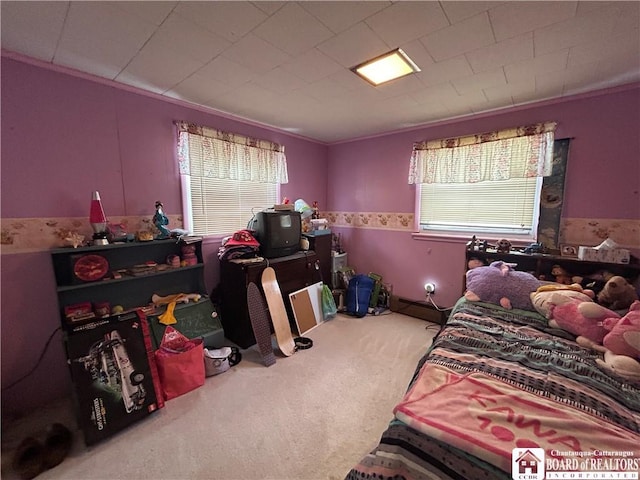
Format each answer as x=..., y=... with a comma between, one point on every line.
x=568, y=250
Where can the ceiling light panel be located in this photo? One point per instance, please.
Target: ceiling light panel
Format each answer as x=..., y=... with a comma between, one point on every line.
x=387, y=67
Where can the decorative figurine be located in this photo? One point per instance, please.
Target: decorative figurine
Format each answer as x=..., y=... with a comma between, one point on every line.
x=160, y=220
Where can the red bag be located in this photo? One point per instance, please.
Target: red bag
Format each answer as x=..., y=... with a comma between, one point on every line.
x=180, y=364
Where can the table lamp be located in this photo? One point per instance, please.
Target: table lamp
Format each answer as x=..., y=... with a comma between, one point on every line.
x=98, y=220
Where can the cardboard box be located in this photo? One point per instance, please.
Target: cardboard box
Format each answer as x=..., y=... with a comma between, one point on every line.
x=114, y=375
x=606, y=255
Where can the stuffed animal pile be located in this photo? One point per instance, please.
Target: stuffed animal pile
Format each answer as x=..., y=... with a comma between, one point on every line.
x=595, y=326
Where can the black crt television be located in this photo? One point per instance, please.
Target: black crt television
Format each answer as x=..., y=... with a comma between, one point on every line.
x=278, y=232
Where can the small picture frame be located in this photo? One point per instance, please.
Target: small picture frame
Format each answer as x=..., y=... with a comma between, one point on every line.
x=567, y=250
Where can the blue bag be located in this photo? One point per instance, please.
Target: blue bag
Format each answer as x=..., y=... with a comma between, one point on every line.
x=359, y=294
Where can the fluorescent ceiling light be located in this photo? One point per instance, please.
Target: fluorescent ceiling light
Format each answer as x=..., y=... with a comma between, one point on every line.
x=391, y=65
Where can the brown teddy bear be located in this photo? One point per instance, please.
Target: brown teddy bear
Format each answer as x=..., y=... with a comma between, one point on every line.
x=617, y=294
x=561, y=275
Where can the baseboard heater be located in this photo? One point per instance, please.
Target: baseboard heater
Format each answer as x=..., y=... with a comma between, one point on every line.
x=413, y=308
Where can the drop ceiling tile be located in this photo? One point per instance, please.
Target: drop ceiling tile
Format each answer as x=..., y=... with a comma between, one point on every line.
x=279, y=81
x=416, y=52
x=577, y=78
x=93, y=57
x=596, y=25
x=458, y=11
x=394, y=106
x=32, y=28
x=182, y=35
x=354, y=85
x=468, y=103
x=151, y=11
x=403, y=22
x=514, y=49
x=324, y=89
x=101, y=39
x=628, y=16
x=590, y=52
x=406, y=84
x=514, y=18
x=588, y=6
x=231, y=20
x=338, y=16
x=624, y=67
x=247, y=96
x=255, y=54
x=434, y=93
x=475, y=83
x=511, y=92
x=268, y=7
x=446, y=70
x=457, y=39
x=552, y=62
x=312, y=65
x=105, y=22
x=293, y=30
x=226, y=71
x=159, y=68
x=423, y=113
x=354, y=46
x=198, y=89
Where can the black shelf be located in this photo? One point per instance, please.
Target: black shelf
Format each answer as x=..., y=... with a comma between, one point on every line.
x=126, y=278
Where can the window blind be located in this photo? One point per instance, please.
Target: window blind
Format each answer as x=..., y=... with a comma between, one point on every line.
x=501, y=207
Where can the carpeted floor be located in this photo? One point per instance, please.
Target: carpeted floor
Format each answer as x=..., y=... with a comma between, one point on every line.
x=310, y=416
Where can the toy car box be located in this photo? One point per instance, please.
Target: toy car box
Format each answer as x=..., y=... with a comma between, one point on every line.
x=114, y=374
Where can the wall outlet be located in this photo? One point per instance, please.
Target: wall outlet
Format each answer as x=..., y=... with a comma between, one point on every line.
x=430, y=288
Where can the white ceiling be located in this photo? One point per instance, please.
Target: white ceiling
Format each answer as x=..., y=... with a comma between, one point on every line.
x=287, y=64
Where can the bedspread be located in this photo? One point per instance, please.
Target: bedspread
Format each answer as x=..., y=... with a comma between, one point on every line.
x=495, y=380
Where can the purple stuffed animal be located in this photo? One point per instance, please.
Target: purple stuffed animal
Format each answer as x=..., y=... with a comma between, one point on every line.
x=499, y=283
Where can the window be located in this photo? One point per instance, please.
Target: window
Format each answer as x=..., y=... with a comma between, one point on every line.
x=489, y=183
x=507, y=207
x=226, y=178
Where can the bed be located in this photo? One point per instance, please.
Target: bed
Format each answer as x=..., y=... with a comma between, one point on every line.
x=495, y=380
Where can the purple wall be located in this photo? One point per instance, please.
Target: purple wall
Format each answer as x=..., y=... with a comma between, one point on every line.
x=64, y=136
x=370, y=175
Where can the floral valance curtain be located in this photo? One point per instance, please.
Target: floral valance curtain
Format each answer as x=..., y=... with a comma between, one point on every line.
x=518, y=152
x=207, y=152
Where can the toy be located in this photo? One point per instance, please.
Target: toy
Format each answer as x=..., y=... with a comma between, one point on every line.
x=160, y=220
x=579, y=317
x=499, y=283
x=617, y=294
x=624, y=333
x=561, y=275
x=475, y=263
x=503, y=246
x=542, y=297
x=617, y=364
x=533, y=248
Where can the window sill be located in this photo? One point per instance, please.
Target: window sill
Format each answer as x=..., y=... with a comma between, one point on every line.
x=464, y=238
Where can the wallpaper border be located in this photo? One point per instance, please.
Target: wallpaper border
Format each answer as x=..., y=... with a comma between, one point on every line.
x=22, y=235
